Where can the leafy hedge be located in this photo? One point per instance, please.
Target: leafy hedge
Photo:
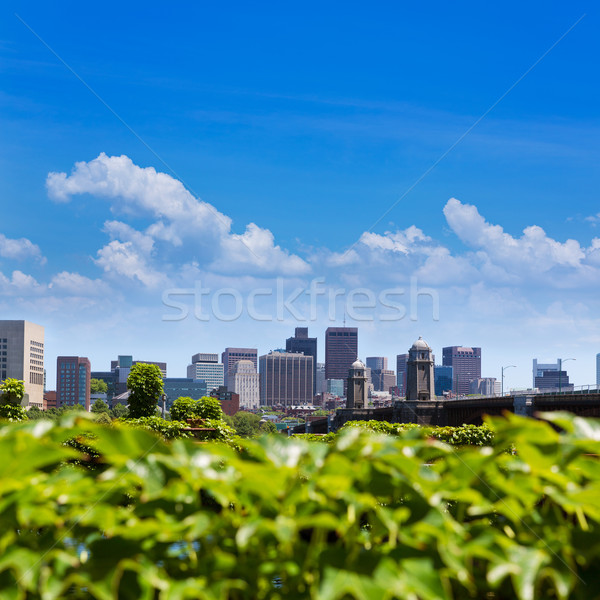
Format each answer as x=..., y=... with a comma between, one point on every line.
x=368, y=516
x=472, y=435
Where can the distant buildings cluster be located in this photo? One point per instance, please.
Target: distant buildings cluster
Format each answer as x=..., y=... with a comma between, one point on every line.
x=285, y=377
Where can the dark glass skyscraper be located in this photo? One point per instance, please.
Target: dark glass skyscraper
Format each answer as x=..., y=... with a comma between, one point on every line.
x=341, y=350
x=466, y=366
x=303, y=344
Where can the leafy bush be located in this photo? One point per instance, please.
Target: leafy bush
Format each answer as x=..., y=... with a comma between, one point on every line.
x=11, y=412
x=13, y=391
x=472, y=435
x=100, y=406
x=168, y=430
x=204, y=408
x=361, y=518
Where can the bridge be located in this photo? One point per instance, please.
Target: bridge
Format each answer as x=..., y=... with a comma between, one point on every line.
x=584, y=402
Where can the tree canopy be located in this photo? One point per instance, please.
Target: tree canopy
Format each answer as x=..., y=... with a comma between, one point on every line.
x=146, y=385
x=98, y=386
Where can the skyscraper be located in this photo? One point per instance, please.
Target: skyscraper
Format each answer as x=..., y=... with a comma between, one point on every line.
x=401, y=360
x=466, y=366
x=22, y=357
x=233, y=355
x=383, y=379
x=206, y=367
x=286, y=379
x=443, y=380
x=73, y=375
x=539, y=368
x=308, y=346
x=246, y=384
x=341, y=350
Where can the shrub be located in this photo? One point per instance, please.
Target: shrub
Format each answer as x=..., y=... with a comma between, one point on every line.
x=204, y=408
x=360, y=518
x=168, y=430
x=13, y=392
x=11, y=412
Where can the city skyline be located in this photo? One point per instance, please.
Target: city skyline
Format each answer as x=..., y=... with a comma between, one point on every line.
x=457, y=153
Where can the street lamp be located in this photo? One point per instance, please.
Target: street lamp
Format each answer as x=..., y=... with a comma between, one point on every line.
x=507, y=367
x=560, y=362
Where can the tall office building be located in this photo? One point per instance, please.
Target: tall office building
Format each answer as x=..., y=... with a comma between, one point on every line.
x=485, y=386
x=286, y=379
x=539, y=368
x=466, y=366
x=233, y=355
x=377, y=363
x=22, y=357
x=73, y=375
x=321, y=385
x=306, y=345
x=443, y=380
x=401, y=360
x=552, y=379
x=341, y=350
x=383, y=379
x=246, y=384
x=206, y=367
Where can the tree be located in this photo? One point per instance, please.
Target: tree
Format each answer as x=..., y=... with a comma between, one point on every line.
x=120, y=411
x=100, y=406
x=267, y=427
x=35, y=413
x=146, y=385
x=209, y=408
x=204, y=408
x=98, y=386
x=103, y=418
x=246, y=424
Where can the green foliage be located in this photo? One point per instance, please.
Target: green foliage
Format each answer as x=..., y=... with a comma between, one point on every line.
x=103, y=417
x=146, y=385
x=100, y=406
x=12, y=412
x=98, y=386
x=204, y=408
x=474, y=435
x=326, y=438
x=168, y=430
x=321, y=413
x=13, y=391
x=246, y=424
x=120, y=411
x=267, y=427
x=34, y=413
x=367, y=516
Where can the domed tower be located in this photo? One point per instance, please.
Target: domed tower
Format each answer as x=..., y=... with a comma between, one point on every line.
x=356, y=396
x=419, y=372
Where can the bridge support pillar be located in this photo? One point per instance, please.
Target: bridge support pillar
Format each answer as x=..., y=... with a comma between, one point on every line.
x=523, y=405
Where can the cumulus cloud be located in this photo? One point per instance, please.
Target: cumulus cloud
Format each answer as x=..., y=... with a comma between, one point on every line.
x=20, y=249
x=74, y=284
x=533, y=252
x=182, y=220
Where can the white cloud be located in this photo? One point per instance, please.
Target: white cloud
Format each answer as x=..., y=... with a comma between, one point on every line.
x=533, y=253
x=74, y=284
x=20, y=249
x=181, y=220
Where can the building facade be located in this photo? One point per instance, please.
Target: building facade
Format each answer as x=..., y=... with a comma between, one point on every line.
x=206, y=367
x=246, y=383
x=303, y=344
x=178, y=387
x=484, y=386
x=335, y=387
x=401, y=361
x=73, y=375
x=286, y=379
x=444, y=380
x=230, y=401
x=232, y=355
x=341, y=350
x=377, y=363
x=550, y=379
x=466, y=366
x=22, y=357
x=321, y=381
x=539, y=368
x=383, y=379
x=419, y=376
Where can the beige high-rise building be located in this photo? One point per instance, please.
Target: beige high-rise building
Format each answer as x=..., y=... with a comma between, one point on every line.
x=246, y=384
x=22, y=357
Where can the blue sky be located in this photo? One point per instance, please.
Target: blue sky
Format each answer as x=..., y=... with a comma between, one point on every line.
x=298, y=127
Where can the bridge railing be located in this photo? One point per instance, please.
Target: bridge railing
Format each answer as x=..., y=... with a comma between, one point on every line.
x=570, y=389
